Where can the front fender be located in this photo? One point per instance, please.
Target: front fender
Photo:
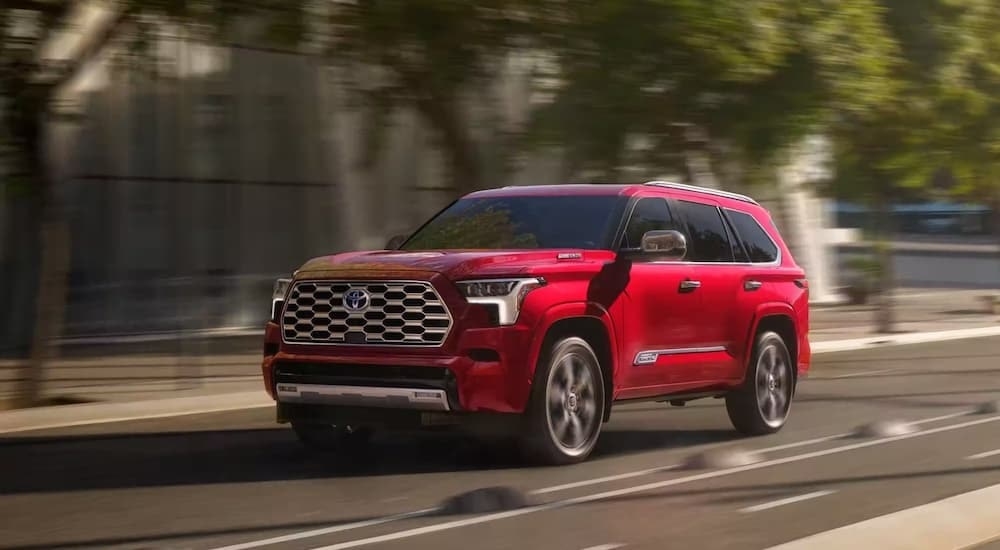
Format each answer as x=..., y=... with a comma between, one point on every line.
x=573, y=310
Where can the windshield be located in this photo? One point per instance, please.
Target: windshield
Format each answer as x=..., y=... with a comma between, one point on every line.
x=574, y=221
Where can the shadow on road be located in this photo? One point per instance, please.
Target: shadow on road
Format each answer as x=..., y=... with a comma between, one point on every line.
x=122, y=460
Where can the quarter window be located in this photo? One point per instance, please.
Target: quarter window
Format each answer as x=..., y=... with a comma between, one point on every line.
x=649, y=214
x=707, y=233
x=755, y=239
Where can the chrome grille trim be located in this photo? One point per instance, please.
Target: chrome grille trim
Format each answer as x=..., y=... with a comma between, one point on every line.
x=398, y=313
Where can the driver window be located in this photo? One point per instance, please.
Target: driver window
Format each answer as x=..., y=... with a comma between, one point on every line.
x=649, y=214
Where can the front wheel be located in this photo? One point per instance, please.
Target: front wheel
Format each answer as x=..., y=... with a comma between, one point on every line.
x=762, y=404
x=567, y=404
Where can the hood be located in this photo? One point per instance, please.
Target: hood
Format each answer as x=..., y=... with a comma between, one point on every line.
x=454, y=264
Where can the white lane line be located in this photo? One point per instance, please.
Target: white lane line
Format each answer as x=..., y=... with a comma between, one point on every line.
x=328, y=530
x=785, y=501
x=962, y=521
x=987, y=454
x=855, y=374
x=612, y=546
x=487, y=518
x=933, y=419
x=605, y=479
x=672, y=467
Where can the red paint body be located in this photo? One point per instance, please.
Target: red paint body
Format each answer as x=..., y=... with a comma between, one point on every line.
x=638, y=304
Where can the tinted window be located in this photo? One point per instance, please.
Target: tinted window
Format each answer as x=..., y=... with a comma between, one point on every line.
x=756, y=241
x=649, y=214
x=739, y=254
x=708, y=241
x=522, y=222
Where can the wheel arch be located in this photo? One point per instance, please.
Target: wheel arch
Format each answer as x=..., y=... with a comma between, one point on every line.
x=778, y=318
x=596, y=329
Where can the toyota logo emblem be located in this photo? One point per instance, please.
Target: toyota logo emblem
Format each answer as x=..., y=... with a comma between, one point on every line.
x=356, y=300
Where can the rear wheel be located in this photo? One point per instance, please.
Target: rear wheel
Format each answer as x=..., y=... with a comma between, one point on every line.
x=567, y=404
x=761, y=406
x=330, y=437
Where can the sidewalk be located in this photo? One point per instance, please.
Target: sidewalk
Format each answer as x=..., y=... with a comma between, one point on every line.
x=916, y=310
x=131, y=385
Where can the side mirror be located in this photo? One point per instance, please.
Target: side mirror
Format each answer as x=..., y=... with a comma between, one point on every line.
x=395, y=242
x=664, y=245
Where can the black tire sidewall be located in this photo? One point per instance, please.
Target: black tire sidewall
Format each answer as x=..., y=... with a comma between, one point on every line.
x=538, y=440
x=742, y=406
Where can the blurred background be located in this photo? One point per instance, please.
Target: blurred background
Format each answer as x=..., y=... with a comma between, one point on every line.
x=163, y=161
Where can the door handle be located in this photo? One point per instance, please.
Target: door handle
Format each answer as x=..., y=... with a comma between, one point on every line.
x=750, y=286
x=689, y=285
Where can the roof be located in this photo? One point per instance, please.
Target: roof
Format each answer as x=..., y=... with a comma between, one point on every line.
x=603, y=189
x=557, y=189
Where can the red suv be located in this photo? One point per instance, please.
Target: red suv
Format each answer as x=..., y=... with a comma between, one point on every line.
x=533, y=310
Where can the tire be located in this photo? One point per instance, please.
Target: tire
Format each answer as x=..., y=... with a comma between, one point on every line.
x=329, y=437
x=567, y=404
x=762, y=404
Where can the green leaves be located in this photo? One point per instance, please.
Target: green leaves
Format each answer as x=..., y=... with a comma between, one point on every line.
x=754, y=74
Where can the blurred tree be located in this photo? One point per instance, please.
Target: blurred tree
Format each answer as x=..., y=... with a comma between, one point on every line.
x=429, y=55
x=733, y=78
x=903, y=141
x=967, y=129
x=33, y=72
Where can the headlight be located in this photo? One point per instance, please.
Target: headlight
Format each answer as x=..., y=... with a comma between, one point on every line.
x=278, y=294
x=506, y=295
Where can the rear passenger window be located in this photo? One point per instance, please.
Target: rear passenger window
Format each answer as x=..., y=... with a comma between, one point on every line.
x=758, y=244
x=650, y=214
x=708, y=241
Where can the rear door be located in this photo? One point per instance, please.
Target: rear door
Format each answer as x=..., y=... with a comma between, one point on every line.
x=713, y=260
x=763, y=280
x=659, y=308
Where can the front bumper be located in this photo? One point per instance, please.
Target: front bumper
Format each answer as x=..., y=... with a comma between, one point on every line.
x=483, y=370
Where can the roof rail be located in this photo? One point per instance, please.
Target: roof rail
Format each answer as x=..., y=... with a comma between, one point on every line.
x=699, y=189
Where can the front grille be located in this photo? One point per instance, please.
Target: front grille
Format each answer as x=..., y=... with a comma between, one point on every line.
x=352, y=312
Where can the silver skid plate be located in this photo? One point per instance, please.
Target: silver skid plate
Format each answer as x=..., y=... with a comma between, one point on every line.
x=363, y=396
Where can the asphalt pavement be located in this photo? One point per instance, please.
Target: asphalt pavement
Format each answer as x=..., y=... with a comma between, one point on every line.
x=237, y=480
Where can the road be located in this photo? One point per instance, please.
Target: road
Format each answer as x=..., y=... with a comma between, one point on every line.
x=218, y=480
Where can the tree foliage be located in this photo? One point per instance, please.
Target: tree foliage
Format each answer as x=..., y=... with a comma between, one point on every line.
x=755, y=74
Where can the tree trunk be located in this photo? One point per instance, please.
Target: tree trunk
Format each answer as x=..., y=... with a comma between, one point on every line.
x=698, y=158
x=459, y=148
x=50, y=305
x=885, y=314
x=995, y=206
x=25, y=118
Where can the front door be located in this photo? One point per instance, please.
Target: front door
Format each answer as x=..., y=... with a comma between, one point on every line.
x=661, y=301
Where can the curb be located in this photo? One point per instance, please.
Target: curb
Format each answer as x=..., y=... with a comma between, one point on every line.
x=961, y=521
x=868, y=342
x=42, y=418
